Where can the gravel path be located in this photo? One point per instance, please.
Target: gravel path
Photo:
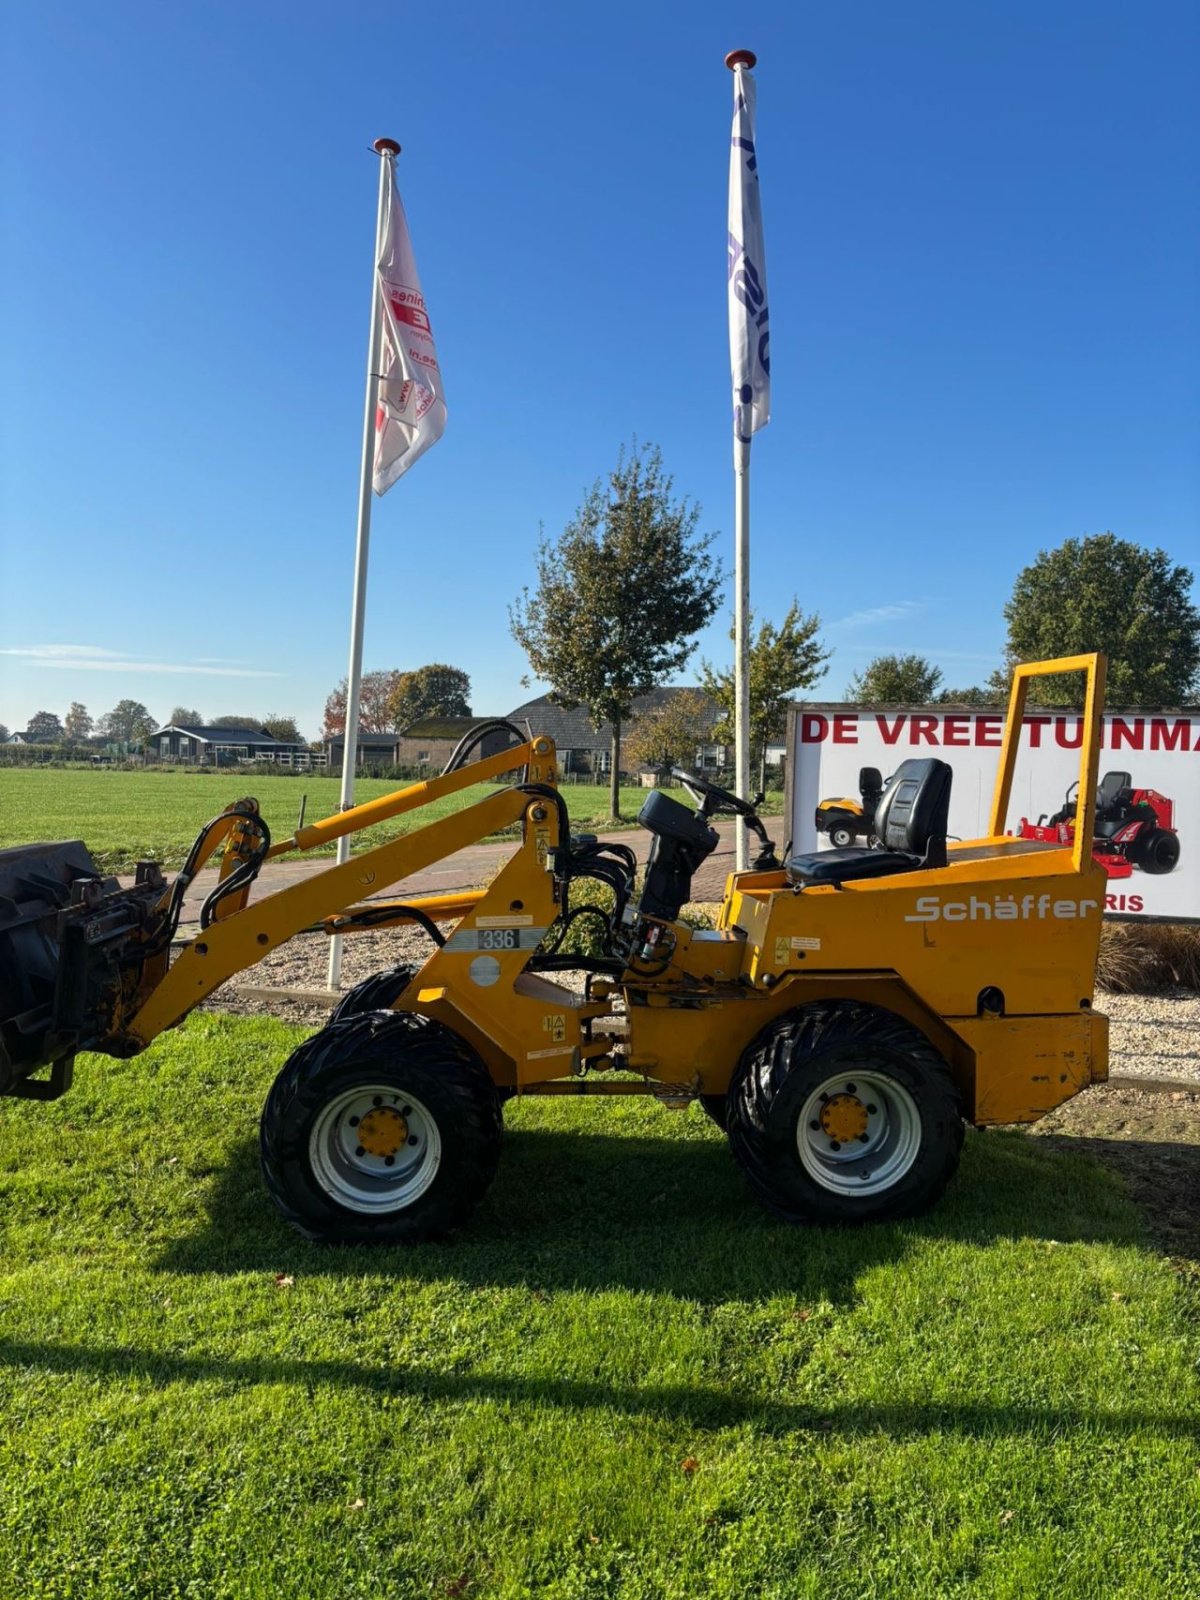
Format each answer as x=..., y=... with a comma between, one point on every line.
x=1153, y=1036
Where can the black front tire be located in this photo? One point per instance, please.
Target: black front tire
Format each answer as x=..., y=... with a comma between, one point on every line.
x=832, y=1049
x=716, y=1108
x=379, y=992
x=407, y=1067
x=1158, y=851
x=840, y=836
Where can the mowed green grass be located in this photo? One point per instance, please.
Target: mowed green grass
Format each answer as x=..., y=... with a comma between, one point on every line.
x=623, y=1380
x=125, y=817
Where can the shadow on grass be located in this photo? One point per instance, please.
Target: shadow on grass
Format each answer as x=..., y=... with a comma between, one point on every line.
x=1162, y=1177
x=699, y=1406
x=594, y=1211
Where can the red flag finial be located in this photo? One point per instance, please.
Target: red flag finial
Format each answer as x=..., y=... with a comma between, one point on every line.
x=387, y=147
x=741, y=58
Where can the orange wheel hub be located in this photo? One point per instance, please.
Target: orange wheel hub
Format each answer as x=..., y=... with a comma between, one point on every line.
x=382, y=1132
x=844, y=1117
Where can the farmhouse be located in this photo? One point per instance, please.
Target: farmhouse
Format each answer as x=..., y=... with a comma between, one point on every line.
x=583, y=748
x=212, y=747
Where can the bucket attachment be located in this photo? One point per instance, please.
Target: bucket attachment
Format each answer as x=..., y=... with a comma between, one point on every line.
x=71, y=942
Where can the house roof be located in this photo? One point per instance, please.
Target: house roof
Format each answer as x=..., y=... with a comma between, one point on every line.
x=227, y=735
x=571, y=727
x=440, y=727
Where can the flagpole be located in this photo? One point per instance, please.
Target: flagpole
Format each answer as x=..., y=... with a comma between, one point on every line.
x=737, y=61
x=741, y=635
x=384, y=148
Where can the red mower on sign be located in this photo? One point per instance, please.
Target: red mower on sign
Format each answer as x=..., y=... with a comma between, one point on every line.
x=1134, y=827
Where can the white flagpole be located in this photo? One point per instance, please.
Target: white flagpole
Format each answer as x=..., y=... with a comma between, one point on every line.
x=741, y=636
x=384, y=148
x=738, y=61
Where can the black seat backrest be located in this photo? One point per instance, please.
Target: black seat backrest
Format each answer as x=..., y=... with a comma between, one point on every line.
x=915, y=809
x=1110, y=787
x=870, y=785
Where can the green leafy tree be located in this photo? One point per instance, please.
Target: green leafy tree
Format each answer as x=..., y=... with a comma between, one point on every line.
x=4, y=734
x=375, y=695
x=234, y=722
x=989, y=696
x=620, y=596
x=78, y=724
x=435, y=690
x=784, y=660
x=186, y=717
x=282, y=728
x=44, y=727
x=670, y=734
x=895, y=680
x=1105, y=593
x=128, y=722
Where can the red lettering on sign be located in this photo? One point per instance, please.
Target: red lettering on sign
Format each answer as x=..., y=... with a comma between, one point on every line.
x=413, y=315
x=988, y=732
x=1123, y=902
x=814, y=728
x=890, y=735
x=924, y=730
x=1165, y=735
x=955, y=731
x=1035, y=726
x=1066, y=741
x=1123, y=733
x=845, y=730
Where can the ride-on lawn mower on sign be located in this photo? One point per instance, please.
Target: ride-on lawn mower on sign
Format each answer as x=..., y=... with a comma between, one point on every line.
x=847, y=820
x=849, y=1012
x=1134, y=827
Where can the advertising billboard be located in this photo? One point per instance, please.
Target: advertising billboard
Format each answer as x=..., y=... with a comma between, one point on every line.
x=1148, y=819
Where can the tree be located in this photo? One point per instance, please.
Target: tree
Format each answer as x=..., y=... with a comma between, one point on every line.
x=896, y=680
x=376, y=692
x=972, y=697
x=670, y=733
x=186, y=717
x=78, y=725
x=236, y=722
x=282, y=728
x=127, y=723
x=432, y=691
x=1105, y=593
x=620, y=596
x=3, y=734
x=44, y=728
x=783, y=661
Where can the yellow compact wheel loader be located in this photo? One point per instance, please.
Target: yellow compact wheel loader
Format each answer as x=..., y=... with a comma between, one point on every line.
x=852, y=1009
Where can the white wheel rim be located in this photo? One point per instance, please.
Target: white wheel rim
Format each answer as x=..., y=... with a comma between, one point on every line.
x=868, y=1162
x=404, y=1154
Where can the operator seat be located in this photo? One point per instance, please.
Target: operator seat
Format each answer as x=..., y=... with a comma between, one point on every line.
x=910, y=822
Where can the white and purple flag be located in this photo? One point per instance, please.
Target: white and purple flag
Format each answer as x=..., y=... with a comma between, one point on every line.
x=749, y=353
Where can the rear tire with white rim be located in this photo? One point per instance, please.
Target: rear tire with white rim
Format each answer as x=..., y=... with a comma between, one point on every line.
x=843, y=1112
x=382, y=1128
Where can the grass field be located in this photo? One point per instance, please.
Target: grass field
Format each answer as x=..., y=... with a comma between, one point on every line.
x=125, y=817
x=623, y=1381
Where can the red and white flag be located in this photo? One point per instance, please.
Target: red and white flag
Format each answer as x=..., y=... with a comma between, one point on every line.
x=411, y=414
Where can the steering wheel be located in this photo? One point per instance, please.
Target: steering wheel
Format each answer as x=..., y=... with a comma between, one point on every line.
x=700, y=789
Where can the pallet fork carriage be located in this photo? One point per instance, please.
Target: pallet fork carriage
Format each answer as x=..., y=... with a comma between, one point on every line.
x=850, y=1010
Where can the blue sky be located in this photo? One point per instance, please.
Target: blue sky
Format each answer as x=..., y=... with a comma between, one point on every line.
x=983, y=252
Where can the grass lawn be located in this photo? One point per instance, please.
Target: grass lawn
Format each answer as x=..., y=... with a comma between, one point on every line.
x=624, y=1380
x=124, y=817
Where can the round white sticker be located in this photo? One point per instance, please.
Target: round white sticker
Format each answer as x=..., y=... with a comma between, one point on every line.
x=484, y=971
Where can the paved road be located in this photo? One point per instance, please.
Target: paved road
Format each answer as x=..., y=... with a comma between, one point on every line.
x=467, y=870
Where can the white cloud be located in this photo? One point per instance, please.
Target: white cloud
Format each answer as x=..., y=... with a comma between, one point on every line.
x=95, y=658
x=873, y=614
